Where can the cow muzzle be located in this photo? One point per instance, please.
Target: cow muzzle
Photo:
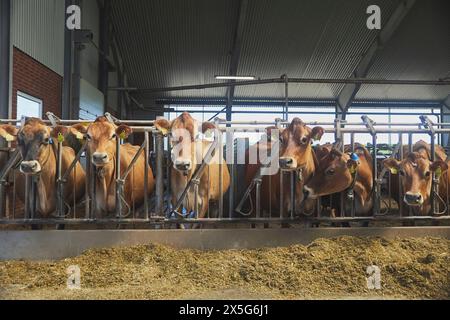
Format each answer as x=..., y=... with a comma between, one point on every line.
x=30, y=167
x=288, y=163
x=413, y=199
x=183, y=165
x=100, y=159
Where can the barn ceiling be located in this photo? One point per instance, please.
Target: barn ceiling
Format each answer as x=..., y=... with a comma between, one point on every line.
x=167, y=43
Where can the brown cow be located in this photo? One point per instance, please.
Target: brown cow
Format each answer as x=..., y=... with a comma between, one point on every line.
x=415, y=173
x=187, y=154
x=338, y=172
x=39, y=158
x=295, y=154
x=101, y=143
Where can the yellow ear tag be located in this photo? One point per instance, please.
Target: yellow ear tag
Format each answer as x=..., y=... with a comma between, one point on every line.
x=438, y=172
x=79, y=136
x=316, y=137
x=163, y=131
x=60, y=137
x=353, y=169
x=394, y=171
x=123, y=135
x=9, y=138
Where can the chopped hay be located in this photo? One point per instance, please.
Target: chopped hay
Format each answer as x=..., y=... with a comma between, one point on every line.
x=414, y=268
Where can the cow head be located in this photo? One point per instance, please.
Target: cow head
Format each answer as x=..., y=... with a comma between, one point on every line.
x=295, y=142
x=101, y=140
x=33, y=142
x=334, y=174
x=416, y=176
x=183, y=133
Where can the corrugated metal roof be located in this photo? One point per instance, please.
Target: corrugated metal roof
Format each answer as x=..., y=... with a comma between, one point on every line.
x=419, y=49
x=173, y=42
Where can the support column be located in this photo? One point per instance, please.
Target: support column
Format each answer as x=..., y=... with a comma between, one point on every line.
x=5, y=57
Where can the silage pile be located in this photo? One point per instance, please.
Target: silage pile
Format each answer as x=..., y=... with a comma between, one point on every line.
x=327, y=268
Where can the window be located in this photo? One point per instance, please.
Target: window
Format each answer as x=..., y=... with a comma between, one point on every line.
x=28, y=106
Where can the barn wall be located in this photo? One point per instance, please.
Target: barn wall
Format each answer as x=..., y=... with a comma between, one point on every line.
x=33, y=78
x=38, y=29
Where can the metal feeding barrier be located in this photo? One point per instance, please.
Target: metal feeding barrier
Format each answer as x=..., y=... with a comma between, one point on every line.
x=242, y=202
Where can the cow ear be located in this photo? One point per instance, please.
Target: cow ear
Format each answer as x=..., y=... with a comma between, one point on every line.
x=317, y=133
x=439, y=167
x=352, y=165
x=208, y=126
x=163, y=126
x=9, y=132
x=392, y=164
x=59, y=132
x=123, y=131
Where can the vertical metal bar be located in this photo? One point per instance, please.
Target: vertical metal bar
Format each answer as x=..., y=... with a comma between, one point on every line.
x=352, y=148
x=400, y=152
x=59, y=182
x=434, y=186
x=118, y=181
x=258, y=199
x=376, y=207
x=292, y=176
x=196, y=207
x=146, y=172
x=33, y=197
x=281, y=194
x=67, y=79
x=231, y=162
x=410, y=149
x=27, y=196
x=220, y=146
x=159, y=145
x=286, y=98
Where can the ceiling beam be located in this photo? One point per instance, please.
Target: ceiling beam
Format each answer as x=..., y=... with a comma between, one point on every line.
x=236, y=54
x=349, y=91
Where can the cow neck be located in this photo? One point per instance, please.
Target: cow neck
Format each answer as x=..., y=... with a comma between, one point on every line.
x=46, y=181
x=309, y=167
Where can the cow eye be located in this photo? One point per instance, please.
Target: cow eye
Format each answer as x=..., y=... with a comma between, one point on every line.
x=304, y=140
x=113, y=136
x=427, y=174
x=330, y=172
x=46, y=141
x=88, y=137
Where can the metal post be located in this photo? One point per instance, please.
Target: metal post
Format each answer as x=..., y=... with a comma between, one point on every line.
x=258, y=198
x=281, y=194
x=293, y=180
x=286, y=98
x=5, y=56
x=220, y=146
x=60, y=182
x=159, y=174
x=400, y=151
x=68, y=60
x=119, y=182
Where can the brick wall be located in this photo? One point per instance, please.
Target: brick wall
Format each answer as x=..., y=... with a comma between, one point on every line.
x=35, y=79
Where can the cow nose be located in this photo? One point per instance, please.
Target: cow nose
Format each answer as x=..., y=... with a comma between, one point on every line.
x=413, y=198
x=100, y=158
x=30, y=167
x=286, y=162
x=183, y=165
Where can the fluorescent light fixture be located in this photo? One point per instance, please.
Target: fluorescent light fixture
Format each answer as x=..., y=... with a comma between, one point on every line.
x=235, y=77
